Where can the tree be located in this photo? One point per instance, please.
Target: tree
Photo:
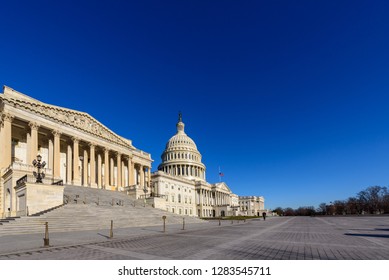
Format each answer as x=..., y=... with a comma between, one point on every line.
x=371, y=199
x=279, y=211
x=322, y=208
x=289, y=211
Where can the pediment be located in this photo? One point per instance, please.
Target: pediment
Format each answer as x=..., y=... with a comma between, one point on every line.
x=222, y=187
x=80, y=120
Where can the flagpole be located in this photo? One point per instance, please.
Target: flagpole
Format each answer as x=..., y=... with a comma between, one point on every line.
x=220, y=177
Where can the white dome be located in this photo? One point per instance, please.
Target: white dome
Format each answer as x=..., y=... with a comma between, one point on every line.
x=181, y=157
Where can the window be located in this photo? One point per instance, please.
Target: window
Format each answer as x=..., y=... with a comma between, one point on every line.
x=172, y=198
x=179, y=198
x=180, y=211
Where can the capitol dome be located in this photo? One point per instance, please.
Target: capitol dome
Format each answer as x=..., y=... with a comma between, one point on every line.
x=181, y=157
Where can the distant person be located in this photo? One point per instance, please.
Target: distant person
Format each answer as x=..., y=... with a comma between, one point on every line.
x=264, y=216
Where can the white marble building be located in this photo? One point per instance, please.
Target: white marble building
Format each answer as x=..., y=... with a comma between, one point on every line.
x=77, y=148
x=182, y=169
x=81, y=151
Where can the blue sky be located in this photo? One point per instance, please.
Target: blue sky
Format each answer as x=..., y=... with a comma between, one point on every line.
x=290, y=98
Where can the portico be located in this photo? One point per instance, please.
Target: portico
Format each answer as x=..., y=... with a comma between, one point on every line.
x=77, y=148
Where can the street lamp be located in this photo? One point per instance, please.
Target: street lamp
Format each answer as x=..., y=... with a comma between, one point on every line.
x=39, y=165
x=145, y=191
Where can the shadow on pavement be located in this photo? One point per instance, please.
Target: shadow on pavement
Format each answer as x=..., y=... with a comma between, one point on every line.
x=368, y=235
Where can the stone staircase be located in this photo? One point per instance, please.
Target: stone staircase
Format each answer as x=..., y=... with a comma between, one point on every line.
x=92, y=209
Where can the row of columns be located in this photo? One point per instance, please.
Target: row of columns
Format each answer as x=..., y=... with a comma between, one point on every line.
x=105, y=172
x=208, y=197
x=184, y=170
x=5, y=140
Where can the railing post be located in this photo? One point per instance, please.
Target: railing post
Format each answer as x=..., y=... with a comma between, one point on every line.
x=164, y=223
x=219, y=221
x=183, y=223
x=46, y=242
x=111, y=231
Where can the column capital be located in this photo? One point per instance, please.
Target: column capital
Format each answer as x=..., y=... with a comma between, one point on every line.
x=117, y=154
x=75, y=139
x=33, y=125
x=56, y=133
x=7, y=117
x=92, y=144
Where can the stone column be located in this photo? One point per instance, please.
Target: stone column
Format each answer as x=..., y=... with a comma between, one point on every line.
x=85, y=169
x=33, y=148
x=149, y=176
x=123, y=169
x=76, y=166
x=111, y=172
x=106, y=168
x=119, y=171
x=50, y=156
x=142, y=177
x=99, y=173
x=6, y=140
x=57, y=155
x=92, y=174
x=69, y=164
x=129, y=171
x=132, y=173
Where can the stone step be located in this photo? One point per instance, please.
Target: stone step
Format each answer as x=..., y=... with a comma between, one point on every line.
x=73, y=217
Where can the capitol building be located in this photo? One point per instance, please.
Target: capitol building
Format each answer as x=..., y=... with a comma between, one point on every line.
x=80, y=151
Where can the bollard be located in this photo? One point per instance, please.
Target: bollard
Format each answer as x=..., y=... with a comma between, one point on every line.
x=232, y=221
x=46, y=242
x=183, y=223
x=219, y=222
x=111, y=231
x=98, y=200
x=164, y=223
x=84, y=199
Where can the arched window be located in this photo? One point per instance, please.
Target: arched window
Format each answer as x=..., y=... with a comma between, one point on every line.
x=179, y=198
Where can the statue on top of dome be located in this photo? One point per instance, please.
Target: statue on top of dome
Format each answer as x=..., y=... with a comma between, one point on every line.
x=179, y=116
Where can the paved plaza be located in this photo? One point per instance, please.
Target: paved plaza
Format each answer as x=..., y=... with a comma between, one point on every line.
x=277, y=238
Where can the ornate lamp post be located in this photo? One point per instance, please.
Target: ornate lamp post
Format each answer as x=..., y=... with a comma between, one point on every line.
x=39, y=165
x=145, y=191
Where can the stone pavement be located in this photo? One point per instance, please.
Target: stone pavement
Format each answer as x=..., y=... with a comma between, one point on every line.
x=277, y=238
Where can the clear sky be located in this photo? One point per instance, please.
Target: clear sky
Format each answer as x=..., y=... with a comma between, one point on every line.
x=289, y=98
